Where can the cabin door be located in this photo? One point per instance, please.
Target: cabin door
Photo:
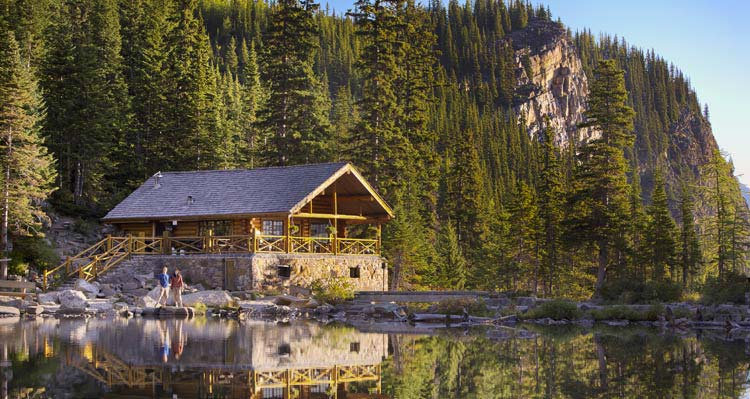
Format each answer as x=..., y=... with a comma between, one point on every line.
x=230, y=275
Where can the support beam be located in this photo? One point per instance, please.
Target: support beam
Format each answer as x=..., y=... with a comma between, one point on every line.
x=328, y=216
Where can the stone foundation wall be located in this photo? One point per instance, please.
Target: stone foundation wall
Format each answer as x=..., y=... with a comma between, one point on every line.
x=255, y=271
x=307, y=268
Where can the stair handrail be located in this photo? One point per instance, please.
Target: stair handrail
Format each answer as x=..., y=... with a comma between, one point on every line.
x=91, y=252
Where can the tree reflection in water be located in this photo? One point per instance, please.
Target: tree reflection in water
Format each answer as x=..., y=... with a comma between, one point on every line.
x=224, y=359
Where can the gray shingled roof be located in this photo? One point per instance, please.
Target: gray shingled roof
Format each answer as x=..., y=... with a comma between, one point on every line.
x=223, y=192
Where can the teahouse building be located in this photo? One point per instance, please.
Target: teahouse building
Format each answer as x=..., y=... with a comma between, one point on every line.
x=246, y=229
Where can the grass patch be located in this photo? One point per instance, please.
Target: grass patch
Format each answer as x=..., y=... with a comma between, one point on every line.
x=557, y=309
x=622, y=312
x=200, y=308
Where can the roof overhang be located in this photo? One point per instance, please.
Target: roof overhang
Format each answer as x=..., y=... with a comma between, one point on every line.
x=348, y=168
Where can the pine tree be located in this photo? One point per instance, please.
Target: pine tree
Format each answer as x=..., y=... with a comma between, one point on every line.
x=87, y=102
x=378, y=144
x=523, y=256
x=191, y=113
x=550, y=196
x=451, y=263
x=27, y=169
x=660, y=233
x=690, y=250
x=252, y=101
x=146, y=57
x=294, y=116
x=600, y=192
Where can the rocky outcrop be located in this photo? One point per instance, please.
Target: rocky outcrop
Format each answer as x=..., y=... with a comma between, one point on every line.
x=550, y=81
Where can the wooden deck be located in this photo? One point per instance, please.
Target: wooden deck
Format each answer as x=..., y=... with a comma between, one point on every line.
x=110, y=251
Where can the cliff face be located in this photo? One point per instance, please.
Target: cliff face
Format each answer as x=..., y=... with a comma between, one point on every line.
x=550, y=81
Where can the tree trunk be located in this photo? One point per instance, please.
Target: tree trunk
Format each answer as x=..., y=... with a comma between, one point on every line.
x=601, y=274
x=6, y=203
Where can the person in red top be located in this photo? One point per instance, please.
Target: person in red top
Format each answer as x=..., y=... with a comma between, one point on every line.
x=177, y=286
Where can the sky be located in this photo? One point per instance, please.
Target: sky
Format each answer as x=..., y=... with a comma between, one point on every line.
x=708, y=40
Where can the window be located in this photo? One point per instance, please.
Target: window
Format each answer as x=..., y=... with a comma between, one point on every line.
x=215, y=228
x=284, y=349
x=354, y=272
x=354, y=347
x=284, y=271
x=273, y=227
x=319, y=230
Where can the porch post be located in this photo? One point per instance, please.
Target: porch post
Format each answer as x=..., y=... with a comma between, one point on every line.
x=335, y=222
x=379, y=237
x=286, y=233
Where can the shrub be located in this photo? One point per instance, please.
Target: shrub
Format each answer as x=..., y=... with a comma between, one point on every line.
x=619, y=312
x=34, y=252
x=84, y=227
x=729, y=289
x=332, y=290
x=200, y=308
x=557, y=309
x=622, y=312
x=633, y=291
x=475, y=307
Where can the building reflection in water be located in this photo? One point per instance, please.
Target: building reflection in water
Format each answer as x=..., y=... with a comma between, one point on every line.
x=207, y=359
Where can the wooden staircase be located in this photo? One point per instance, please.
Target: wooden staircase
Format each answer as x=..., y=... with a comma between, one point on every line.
x=89, y=263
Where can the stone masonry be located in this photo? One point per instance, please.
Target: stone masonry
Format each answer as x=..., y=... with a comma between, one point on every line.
x=243, y=272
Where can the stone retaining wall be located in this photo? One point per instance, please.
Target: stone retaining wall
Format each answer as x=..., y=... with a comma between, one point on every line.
x=307, y=268
x=243, y=272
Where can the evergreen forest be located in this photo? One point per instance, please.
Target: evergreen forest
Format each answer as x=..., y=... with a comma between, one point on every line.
x=98, y=95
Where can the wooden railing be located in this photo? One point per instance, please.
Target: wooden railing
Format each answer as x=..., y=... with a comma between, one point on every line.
x=105, y=254
x=358, y=246
x=311, y=245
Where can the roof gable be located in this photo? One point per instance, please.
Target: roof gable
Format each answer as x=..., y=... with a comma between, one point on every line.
x=231, y=192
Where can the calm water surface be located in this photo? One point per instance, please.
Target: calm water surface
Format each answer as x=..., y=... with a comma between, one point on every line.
x=142, y=358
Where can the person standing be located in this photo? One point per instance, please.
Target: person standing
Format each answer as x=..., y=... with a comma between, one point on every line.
x=178, y=284
x=164, y=284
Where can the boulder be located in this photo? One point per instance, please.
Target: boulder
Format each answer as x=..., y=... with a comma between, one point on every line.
x=120, y=306
x=72, y=300
x=131, y=286
x=48, y=297
x=145, y=302
x=213, y=299
x=106, y=291
x=9, y=311
x=288, y=300
x=34, y=310
x=86, y=287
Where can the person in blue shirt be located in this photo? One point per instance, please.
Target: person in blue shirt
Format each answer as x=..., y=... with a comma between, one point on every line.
x=164, y=284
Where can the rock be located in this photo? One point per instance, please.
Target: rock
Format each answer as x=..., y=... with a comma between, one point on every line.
x=86, y=287
x=106, y=291
x=34, y=310
x=101, y=306
x=212, y=299
x=528, y=301
x=120, y=306
x=131, y=286
x=72, y=300
x=50, y=309
x=48, y=297
x=324, y=309
x=9, y=311
x=145, y=302
x=617, y=323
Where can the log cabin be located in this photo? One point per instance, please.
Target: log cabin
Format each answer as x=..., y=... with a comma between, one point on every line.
x=245, y=229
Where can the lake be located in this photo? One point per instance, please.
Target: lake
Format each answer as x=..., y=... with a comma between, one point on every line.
x=208, y=358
